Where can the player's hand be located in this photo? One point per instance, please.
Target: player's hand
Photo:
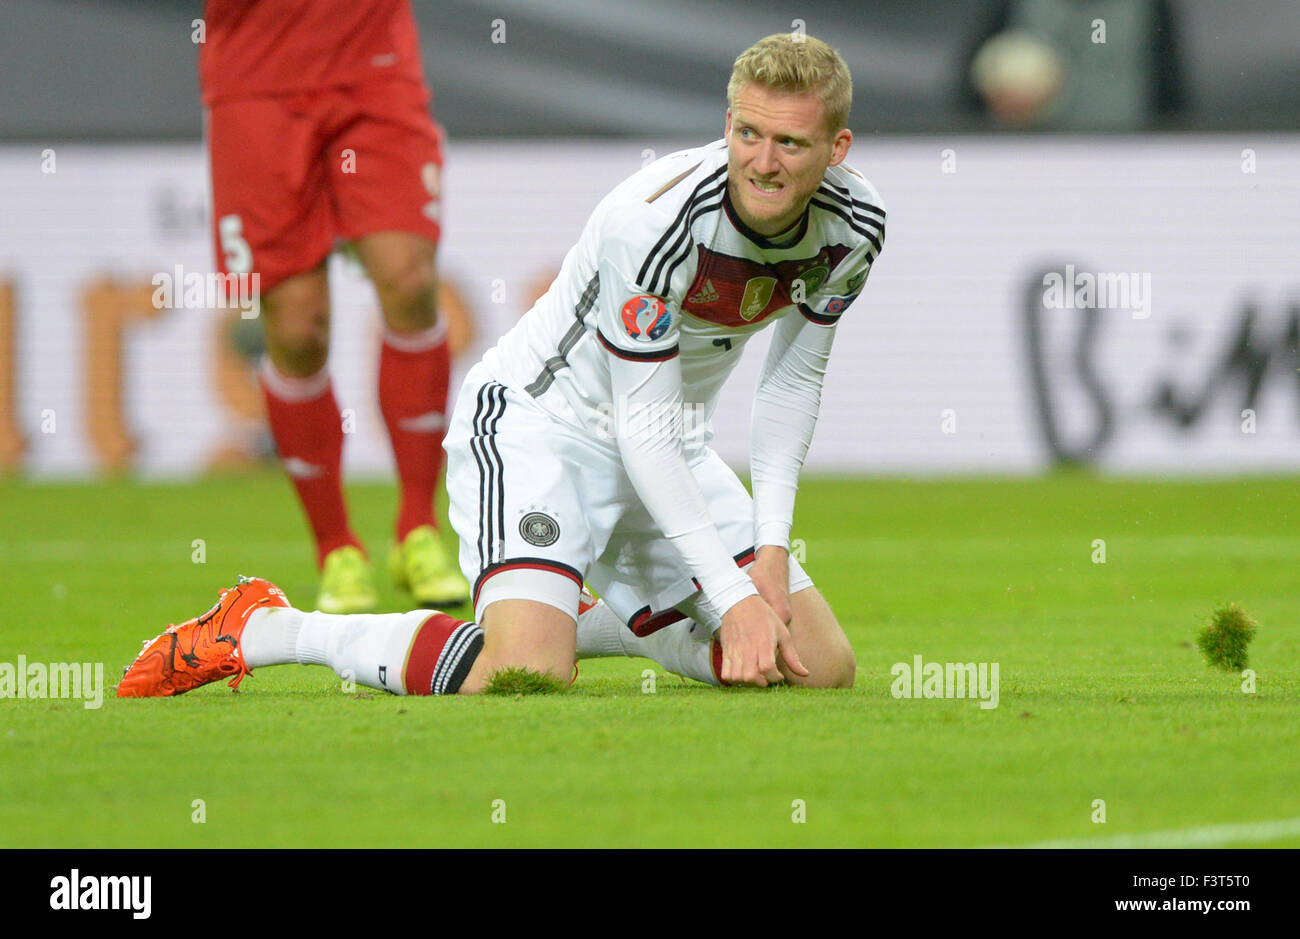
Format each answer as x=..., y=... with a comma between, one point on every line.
x=752, y=637
x=770, y=573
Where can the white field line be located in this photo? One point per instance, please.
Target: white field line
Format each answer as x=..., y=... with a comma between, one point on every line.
x=1207, y=837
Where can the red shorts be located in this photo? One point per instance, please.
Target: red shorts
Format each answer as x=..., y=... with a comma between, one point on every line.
x=293, y=173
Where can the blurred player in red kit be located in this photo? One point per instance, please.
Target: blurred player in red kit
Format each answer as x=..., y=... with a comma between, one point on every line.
x=319, y=130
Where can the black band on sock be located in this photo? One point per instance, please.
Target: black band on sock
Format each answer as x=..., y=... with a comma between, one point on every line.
x=457, y=658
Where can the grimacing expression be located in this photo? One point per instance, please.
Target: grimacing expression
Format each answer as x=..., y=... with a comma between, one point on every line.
x=778, y=149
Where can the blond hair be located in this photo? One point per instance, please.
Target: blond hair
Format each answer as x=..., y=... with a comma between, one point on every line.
x=795, y=63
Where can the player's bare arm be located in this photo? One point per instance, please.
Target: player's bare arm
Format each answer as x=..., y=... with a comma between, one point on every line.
x=771, y=575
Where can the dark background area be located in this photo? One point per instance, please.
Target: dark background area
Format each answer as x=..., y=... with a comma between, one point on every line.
x=126, y=69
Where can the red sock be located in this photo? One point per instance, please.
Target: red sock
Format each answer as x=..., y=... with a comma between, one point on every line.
x=308, y=432
x=414, y=369
x=442, y=653
x=716, y=660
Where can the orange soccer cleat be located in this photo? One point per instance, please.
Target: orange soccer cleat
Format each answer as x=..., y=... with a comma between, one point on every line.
x=203, y=649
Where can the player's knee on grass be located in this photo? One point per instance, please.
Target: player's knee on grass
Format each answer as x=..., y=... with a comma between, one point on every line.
x=523, y=638
x=823, y=648
x=513, y=681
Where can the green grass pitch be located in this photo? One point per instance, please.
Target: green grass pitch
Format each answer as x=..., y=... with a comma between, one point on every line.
x=1104, y=694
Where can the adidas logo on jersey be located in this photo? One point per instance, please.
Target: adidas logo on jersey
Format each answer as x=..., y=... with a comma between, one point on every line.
x=707, y=294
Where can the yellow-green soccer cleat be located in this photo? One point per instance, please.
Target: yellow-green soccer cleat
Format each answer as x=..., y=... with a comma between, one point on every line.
x=420, y=564
x=347, y=583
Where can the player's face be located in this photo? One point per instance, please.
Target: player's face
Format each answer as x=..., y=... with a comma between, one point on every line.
x=778, y=149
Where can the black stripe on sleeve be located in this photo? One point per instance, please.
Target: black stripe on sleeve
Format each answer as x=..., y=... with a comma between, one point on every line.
x=821, y=319
x=683, y=240
x=841, y=196
x=702, y=210
x=658, y=355
x=677, y=222
x=858, y=225
x=851, y=212
x=577, y=329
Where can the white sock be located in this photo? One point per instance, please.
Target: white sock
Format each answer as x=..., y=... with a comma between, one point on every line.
x=271, y=637
x=684, y=648
x=678, y=649
x=368, y=648
x=600, y=632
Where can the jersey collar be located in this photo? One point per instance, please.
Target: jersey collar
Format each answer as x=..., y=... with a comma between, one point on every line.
x=762, y=240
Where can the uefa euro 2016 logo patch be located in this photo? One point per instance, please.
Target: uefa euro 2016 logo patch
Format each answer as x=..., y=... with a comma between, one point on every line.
x=646, y=318
x=837, y=305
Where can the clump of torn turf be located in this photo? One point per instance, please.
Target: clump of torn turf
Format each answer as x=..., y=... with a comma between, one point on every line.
x=521, y=681
x=1224, y=639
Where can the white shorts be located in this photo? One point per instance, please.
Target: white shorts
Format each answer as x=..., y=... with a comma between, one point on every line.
x=540, y=507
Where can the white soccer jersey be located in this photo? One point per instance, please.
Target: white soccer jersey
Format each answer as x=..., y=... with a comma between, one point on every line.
x=649, y=315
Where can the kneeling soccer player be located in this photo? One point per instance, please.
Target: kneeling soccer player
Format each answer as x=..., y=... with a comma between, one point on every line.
x=569, y=455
